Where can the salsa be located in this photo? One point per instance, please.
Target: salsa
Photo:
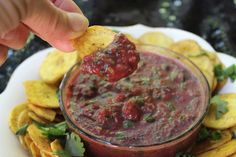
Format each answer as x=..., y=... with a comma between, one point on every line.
x=118, y=60
x=158, y=102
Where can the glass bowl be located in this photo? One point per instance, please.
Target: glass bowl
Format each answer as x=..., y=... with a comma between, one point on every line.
x=101, y=148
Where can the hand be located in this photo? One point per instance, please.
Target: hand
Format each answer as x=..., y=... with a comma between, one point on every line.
x=56, y=21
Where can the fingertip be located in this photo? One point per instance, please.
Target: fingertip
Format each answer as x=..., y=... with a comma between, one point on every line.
x=63, y=45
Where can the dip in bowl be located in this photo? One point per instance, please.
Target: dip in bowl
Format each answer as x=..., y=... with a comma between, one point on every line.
x=154, y=112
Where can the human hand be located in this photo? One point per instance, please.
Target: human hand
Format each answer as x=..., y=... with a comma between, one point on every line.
x=55, y=21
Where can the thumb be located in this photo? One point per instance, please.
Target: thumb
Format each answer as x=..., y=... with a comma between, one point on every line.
x=54, y=24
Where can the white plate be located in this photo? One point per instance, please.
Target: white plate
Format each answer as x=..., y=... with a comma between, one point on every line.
x=28, y=70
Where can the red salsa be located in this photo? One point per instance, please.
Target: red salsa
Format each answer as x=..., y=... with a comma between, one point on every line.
x=118, y=60
x=158, y=102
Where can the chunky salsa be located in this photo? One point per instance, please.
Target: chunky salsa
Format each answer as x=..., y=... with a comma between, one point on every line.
x=118, y=60
x=156, y=103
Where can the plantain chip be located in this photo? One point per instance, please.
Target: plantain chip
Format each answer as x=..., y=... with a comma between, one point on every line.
x=22, y=141
x=228, y=119
x=41, y=141
x=23, y=118
x=14, y=115
x=45, y=113
x=221, y=151
x=34, y=150
x=156, y=38
x=41, y=94
x=27, y=141
x=36, y=118
x=55, y=65
x=56, y=145
x=47, y=155
x=95, y=38
x=212, y=144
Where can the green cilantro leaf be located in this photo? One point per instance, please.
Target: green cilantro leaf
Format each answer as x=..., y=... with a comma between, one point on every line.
x=120, y=136
x=53, y=131
x=22, y=130
x=206, y=133
x=62, y=153
x=149, y=118
x=215, y=135
x=221, y=106
x=74, y=146
x=222, y=73
x=127, y=124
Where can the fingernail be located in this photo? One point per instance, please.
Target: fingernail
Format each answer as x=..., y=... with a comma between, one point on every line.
x=78, y=22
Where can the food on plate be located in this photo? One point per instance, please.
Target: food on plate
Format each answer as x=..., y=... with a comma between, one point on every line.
x=156, y=38
x=228, y=118
x=41, y=94
x=55, y=65
x=13, y=117
x=118, y=60
x=209, y=144
x=45, y=113
x=122, y=112
x=224, y=150
x=95, y=38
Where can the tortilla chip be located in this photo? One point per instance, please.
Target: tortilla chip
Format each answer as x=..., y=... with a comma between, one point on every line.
x=34, y=150
x=45, y=113
x=36, y=118
x=212, y=144
x=23, y=118
x=222, y=151
x=41, y=141
x=188, y=48
x=96, y=37
x=41, y=94
x=55, y=65
x=228, y=119
x=14, y=115
x=156, y=38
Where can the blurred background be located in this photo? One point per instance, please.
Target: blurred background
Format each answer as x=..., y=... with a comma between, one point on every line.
x=214, y=20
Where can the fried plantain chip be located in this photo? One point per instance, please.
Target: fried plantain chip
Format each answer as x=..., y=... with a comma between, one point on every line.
x=34, y=150
x=14, y=115
x=96, y=37
x=221, y=151
x=212, y=144
x=228, y=119
x=36, y=118
x=56, y=145
x=23, y=118
x=27, y=141
x=45, y=113
x=156, y=38
x=41, y=141
x=41, y=94
x=22, y=141
x=55, y=65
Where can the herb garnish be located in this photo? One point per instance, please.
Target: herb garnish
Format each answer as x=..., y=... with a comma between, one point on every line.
x=127, y=124
x=73, y=145
x=206, y=133
x=221, y=106
x=223, y=73
x=170, y=106
x=149, y=118
x=22, y=130
x=120, y=136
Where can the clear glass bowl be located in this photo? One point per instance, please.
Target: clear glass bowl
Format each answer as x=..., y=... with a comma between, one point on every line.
x=100, y=148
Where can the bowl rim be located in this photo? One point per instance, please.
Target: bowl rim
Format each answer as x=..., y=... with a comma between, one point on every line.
x=192, y=127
